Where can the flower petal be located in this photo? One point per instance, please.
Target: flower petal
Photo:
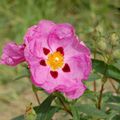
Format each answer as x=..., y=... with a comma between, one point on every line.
x=39, y=74
x=36, y=47
x=61, y=35
x=45, y=26
x=36, y=37
x=13, y=54
x=42, y=28
x=76, y=49
x=77, y=91
x=80, y=66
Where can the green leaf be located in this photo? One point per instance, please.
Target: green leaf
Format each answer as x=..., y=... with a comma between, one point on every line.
x=20, y=77
x=90, y=94
x=75, y=112
x=107, y=70
x=111, y=115
x=99, y=66
x=117, y=117
x=113, y=72
x=45, y=111
x=114, y=99
x=114, y=106
x=21, y=117
x=60, y=97
x=47, y=115
x=35, y=89
x=25, y=73
x=91, y=110
x=93, y=77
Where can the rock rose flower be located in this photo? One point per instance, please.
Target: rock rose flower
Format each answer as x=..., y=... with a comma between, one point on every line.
x=57, y=60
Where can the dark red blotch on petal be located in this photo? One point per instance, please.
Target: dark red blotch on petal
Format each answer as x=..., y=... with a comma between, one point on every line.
x=43, y=63
x=46, y=51
x=54, y=74
x=66, y=68
x=60, y=49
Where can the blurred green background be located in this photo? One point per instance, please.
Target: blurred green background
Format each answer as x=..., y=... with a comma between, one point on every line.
x=16, y=16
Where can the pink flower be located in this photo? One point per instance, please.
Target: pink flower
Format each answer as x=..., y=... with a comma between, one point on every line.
x=13, y=54
x=57, y=60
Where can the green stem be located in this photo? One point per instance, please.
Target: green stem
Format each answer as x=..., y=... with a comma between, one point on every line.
x=37, y=98
x=101, y=92
x=104, y=81
x=95, y=53
x=65, y=106
x=115, y=89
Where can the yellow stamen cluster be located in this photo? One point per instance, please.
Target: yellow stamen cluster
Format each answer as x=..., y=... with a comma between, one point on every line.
x=55, y=60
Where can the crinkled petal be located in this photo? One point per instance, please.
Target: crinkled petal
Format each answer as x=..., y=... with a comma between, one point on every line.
x=77, y=91
x=80, y=66
x=29, y=34
x=13, y=54
x=36, y=37
x=39, y=74
x=36, y=47
x=30, y=58
x=43, y=28
x=75, y=49
x=61, y=35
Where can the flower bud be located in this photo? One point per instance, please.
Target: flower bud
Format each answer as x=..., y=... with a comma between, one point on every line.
x=30, y=113
x=102, y=45
x=99, y=28
x=116, y=53
x=114, y=39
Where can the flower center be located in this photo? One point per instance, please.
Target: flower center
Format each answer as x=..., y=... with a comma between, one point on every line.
x=55, y=60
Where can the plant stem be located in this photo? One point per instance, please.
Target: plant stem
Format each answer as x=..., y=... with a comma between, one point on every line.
x=65, y=107
x=37, y=98
x=94, y=86
x=94, y=82
x=101, y=92
x=113, y=85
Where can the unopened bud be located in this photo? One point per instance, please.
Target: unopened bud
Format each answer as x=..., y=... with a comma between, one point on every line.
x=30, y=114
x=99, y=28
x=116, y=53
x=114, y=39
x=102, y=45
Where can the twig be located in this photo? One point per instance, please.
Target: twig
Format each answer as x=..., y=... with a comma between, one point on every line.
x=101, y=92
x=65, y=107
x=37, y=98
x=94, y=86
x=113, y=85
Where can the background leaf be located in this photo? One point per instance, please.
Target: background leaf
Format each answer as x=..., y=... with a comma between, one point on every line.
x=107, y=70
x=91, y=110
